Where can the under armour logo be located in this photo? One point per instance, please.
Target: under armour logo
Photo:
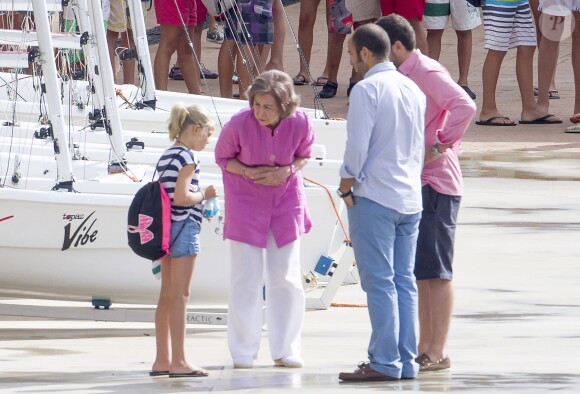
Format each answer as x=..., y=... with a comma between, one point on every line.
x=144, y=234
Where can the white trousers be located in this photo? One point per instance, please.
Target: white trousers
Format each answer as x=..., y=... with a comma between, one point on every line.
x=285, y=301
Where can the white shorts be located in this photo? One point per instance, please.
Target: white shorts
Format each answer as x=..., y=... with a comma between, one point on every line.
x=464, y=16
x=363, y=10
x=559, y=7
x=508, y=26
x=118, y=21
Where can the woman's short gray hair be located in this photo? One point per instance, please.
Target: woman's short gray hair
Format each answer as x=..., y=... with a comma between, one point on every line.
x=280, y=86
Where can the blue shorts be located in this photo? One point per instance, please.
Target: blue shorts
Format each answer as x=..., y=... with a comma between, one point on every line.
x=434, y=258
x=187, y=242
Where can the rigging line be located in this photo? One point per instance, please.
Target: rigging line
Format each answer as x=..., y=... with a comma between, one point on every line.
x=317, y=100
x=11, y=143
x=239, y=48
x=247, y=39
x=229, y=21
x=347, y=238
x=195, y=57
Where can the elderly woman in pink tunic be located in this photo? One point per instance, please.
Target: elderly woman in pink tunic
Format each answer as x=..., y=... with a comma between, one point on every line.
x=262, y=151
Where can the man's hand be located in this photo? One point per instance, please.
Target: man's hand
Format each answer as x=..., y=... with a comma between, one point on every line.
x=348, y=200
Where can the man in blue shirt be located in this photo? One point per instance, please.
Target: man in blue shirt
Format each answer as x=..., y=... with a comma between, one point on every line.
x=381, y=186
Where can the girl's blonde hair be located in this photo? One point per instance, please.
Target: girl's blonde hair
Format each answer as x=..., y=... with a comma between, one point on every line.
x=182, y=116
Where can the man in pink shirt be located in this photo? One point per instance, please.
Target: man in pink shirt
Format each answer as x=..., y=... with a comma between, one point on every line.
x=448, y=114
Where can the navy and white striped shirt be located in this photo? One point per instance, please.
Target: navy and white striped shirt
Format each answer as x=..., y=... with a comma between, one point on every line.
x=170, y=163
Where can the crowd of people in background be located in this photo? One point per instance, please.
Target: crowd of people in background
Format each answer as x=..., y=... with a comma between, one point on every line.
x=252, y=33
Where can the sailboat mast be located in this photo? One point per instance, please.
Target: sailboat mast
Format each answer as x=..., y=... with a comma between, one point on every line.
x=143, y=58
x=112, y=121
x=55, y=113
x=91, y=55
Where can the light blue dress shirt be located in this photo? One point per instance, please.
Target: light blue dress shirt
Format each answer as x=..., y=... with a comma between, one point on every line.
x=385, y=139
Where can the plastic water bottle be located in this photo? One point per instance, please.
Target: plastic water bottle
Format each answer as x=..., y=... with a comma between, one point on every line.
x=211, y=208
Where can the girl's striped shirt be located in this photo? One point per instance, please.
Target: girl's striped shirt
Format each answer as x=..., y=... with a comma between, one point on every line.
x=169, y=165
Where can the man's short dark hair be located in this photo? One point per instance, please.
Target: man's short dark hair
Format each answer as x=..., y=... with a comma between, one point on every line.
x=373, y=38
x=398, y=29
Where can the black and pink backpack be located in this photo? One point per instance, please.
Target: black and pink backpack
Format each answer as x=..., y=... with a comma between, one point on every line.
x=149, y=222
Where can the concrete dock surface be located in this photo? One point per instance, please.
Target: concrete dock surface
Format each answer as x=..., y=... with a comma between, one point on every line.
x=516, y=324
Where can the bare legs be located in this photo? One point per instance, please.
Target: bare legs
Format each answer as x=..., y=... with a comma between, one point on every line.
x=226, y=59
x=277, y=56
x=170, y=315
x=306, y=21
x=464, y=49
x=126, y=43
x=490, y=75
x=334, y=55
x=434, y=37
x=254, y=54
x=173, y=39
x=420, y=36
x=435, y=311
x=534, y=4
x=547, y=57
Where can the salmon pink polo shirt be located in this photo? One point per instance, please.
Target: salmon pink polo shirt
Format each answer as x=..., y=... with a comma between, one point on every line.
x=253, y=210
x=448, y=114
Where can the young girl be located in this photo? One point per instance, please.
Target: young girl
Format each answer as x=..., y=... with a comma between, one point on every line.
x=190, y=128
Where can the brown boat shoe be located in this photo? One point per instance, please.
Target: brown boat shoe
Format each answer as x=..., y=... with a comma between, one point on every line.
x=364, y=373
x=426, y=365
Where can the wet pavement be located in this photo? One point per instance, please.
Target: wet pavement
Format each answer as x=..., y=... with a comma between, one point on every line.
x=516, y=324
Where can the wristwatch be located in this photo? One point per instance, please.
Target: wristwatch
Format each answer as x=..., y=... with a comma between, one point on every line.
x=435, y=149
x=343, y=195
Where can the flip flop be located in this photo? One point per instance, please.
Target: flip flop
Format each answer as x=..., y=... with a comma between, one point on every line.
x=469, y=92
x=158, y=373
x=541, y=120
x=193, y=374
x=321, y=81
x=490, y=122
x=553, y=95
x=572, y=129
x=575, y=118
x=300, y=80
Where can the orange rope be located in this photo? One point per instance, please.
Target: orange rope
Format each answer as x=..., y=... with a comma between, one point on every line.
x=335, y=305
x=119, y=93
x=131, y=177
x=347, y=238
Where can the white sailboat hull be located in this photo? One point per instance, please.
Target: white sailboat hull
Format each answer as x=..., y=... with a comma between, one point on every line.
x=73, y=246
x=331, y=133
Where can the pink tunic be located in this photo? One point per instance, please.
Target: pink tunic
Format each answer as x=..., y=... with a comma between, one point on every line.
x=253, y=210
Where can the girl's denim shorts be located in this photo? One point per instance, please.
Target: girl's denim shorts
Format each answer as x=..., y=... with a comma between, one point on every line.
x=185, y=238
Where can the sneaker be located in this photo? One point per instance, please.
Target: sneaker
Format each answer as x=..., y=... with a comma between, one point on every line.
x=243, y=362
x=216, y=36
x=207, y=74
x=175, y=73
x=426, y=365
x=289, y=362
x=329, y=90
